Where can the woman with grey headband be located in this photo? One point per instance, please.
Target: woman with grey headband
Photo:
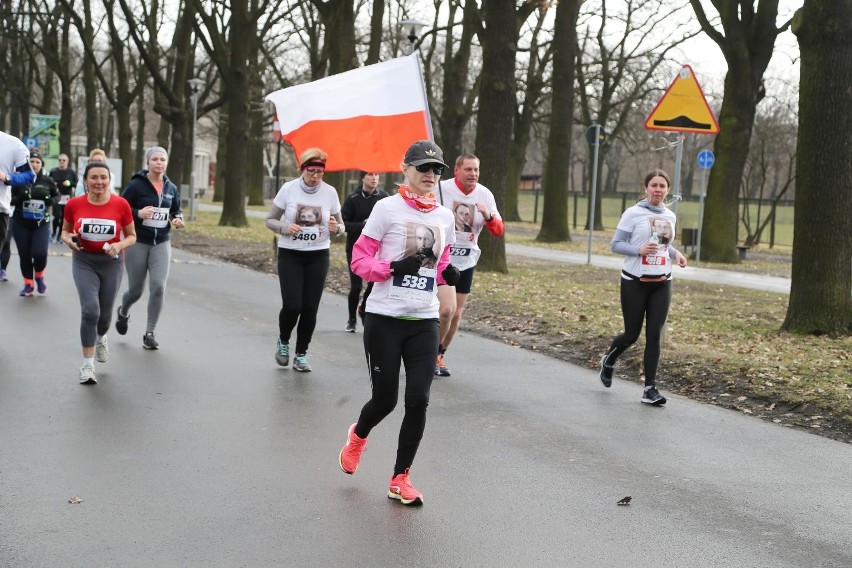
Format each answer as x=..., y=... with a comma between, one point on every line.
x=155, y=203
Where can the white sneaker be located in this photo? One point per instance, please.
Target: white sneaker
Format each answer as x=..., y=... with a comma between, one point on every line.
x=102, y=350
x=87, y=375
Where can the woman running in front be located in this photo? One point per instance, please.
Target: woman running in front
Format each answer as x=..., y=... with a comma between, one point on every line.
x=155, y=203
x=401, y=321
x=304, y=214
x=31, y=227
x=646, y=287
x=92, y=228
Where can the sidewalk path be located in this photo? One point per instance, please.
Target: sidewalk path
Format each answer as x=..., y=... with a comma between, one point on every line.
x=720, y=277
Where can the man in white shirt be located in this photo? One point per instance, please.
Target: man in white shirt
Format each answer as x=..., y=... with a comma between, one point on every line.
x=474, y=207
x=14, y=170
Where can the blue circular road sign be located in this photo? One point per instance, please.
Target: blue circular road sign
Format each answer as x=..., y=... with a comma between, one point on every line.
x=706, y=159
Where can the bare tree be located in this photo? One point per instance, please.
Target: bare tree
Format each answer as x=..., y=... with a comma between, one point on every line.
x=554, y=225
x=497, y=102
x=747, y=39
x=821, y=285
x=620, y=54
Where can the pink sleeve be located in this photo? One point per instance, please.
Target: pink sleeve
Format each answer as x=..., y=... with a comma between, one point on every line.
x=364, y=261
x=443, y=262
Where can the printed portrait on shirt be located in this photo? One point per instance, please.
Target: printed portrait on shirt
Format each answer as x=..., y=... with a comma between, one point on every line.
x=422, y=239
x=308, y=215
x=463, y=215
x=663, y=228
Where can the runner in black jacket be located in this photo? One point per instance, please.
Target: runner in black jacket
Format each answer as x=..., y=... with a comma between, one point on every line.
x=355, y=210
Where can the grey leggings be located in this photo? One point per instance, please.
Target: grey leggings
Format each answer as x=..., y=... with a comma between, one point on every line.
x=98, y=278
x=140, y=260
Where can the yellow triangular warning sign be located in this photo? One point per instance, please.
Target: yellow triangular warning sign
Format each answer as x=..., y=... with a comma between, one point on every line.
x=683, y=107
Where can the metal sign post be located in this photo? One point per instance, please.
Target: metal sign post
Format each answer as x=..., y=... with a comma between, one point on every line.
x=705, y=162
x=595, y=136
x=676, y=182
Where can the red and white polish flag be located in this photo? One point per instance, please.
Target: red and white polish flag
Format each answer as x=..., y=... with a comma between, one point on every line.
x=364, y=118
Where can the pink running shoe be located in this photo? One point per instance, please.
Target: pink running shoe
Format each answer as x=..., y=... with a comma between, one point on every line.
x=350, y=455
x=401, y=488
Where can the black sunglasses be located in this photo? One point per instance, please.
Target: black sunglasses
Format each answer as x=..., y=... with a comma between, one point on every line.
x=423, y=168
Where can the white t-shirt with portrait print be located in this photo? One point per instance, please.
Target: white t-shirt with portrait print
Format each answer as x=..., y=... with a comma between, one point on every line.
x=641, y=223
x=309, y=210
x=401, y=230
x=465, y=253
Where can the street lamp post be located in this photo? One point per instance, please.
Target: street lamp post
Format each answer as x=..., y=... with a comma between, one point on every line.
x=195, y=85
x=411, y=30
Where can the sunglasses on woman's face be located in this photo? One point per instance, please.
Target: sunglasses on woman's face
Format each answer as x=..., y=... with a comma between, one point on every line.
x=423, y=168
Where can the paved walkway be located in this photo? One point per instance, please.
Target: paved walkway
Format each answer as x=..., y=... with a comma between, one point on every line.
x=207, y=453
x=720, y=277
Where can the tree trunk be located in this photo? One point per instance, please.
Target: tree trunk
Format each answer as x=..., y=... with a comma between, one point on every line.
x=821, y=285
x=747, y=44
x=237, y=96
x=554, y=225
x=496, y=110
x=455, y=108
x=721, y=210
x=339, y=19
x=221, y=163
x=93, y=125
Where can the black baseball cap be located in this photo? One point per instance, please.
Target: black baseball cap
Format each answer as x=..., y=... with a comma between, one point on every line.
x=35, y=154
x=424, y=152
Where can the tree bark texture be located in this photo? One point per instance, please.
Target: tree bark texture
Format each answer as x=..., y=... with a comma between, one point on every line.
x=821, y=286
x=747, y=42
x=497, y=104
x=554, y=224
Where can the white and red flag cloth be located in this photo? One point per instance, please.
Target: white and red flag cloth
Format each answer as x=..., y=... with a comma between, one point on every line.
x=365, y=118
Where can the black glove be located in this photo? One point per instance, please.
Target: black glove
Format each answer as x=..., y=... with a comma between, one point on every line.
x=408, y=265
x=451, y=275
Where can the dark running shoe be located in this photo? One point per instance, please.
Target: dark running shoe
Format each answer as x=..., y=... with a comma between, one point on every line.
x=441, y=369
x=149, y=342
x=350, y=326
x=652, y=396
x=606, y=373
x=121, y=322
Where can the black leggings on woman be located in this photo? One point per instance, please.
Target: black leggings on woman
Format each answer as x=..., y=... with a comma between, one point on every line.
x=642, y=301
x=32, y=242
x=387, y=342
x=301, y=275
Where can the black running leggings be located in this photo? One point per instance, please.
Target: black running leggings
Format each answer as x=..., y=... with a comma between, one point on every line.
x=32, y=242
x=640, y=301
x=387, y=342
x=355, y=283
x=301, y=275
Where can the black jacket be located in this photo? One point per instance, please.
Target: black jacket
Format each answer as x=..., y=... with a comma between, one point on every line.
x=42, y=189
x=66, y=180
x=140, y=193
x=355, y=211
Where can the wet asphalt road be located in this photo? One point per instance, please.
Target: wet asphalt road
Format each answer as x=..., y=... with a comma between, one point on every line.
x=206, y=453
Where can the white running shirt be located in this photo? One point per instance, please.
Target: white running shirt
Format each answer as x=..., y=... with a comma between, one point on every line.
x=465, y=252
x=309, y=210
x=641, y=223
x=403, y=231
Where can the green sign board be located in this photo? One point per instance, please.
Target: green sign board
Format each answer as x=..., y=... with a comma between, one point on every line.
x=44, y=134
